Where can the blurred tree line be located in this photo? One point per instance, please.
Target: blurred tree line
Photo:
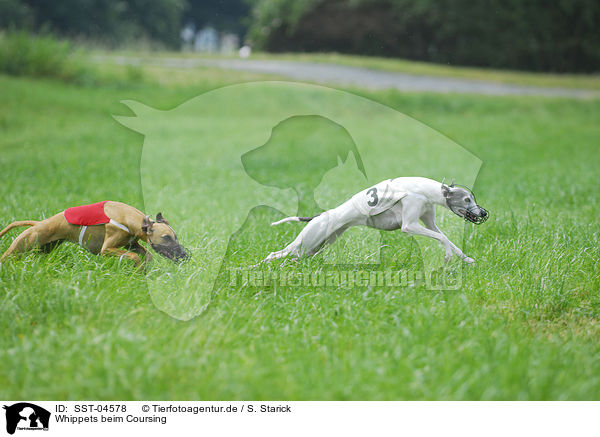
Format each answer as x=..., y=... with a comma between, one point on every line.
x=541, y=35
x=117, y=23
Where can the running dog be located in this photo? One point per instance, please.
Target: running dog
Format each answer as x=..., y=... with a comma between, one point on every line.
x=103, y=228
x=392, y=204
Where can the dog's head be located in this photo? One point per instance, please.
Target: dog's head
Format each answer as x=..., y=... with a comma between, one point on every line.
x=162, y=238
x=461, y=201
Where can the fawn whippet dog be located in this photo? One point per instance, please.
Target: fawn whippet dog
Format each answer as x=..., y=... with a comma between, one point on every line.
x=104, y=228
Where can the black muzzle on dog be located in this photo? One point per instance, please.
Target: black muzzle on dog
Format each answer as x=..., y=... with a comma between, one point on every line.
x=470, y=215
x=474, y=214
x=478, y=219
x=174, y=253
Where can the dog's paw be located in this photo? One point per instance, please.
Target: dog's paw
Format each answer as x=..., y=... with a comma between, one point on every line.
x=448, y=256
x=468, y=260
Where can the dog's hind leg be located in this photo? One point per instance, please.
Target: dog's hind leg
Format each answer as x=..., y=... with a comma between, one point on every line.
x=308, y=241
x=320, y=231
x=36, y=236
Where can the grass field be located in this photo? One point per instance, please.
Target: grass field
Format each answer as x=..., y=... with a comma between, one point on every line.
x=525, y=324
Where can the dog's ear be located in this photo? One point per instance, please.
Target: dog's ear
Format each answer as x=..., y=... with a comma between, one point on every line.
x=161, y=219
x=445, y=189
x=147, y=224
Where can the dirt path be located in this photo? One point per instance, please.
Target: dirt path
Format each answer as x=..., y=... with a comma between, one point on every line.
x=331, y=74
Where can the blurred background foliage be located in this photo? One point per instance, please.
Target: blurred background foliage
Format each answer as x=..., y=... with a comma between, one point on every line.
x=517, y=34
x=110, y=23
x=536, y=35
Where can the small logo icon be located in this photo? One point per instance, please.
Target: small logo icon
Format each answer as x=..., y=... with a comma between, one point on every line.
x=26, y=416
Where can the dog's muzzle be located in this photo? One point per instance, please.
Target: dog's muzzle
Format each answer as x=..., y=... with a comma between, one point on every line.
x=174, y=253
x=475, y=214
x=476, y=218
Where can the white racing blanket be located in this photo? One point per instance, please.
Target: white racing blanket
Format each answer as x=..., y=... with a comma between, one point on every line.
x=378, y=198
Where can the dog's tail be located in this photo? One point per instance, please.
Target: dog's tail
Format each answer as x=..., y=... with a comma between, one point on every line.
x=294, y=219
x=18, y=224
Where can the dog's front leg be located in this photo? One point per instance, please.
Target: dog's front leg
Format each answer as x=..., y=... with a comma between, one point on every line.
x=416, y=229
x=413, y=208
x=141, y=250
x=428, y=220
x=109, y=247
x=113, y=251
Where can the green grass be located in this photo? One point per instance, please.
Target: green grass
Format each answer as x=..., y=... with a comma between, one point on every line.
x=524, y=324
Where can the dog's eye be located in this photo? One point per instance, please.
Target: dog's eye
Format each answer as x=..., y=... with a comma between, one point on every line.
x=467, y=199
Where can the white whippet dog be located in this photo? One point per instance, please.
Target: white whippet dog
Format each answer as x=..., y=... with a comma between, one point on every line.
x=392, y=204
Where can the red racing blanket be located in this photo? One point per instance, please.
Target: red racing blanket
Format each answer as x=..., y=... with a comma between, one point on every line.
x=87, y=215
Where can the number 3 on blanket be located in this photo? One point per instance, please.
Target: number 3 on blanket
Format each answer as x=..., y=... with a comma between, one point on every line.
x=374, y=199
